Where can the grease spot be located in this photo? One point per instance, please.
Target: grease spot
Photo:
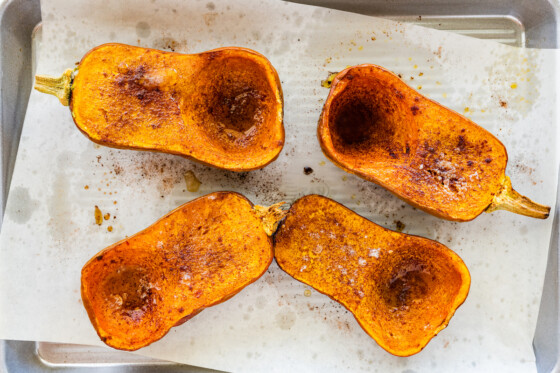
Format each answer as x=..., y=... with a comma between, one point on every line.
x=285, y=320
x=143, y=29
x=261, y=302
x=22, y=206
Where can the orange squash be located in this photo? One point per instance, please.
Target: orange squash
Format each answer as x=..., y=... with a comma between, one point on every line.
x=375, y=126
x=402, y=289
x=223, y=108
x=198, y=255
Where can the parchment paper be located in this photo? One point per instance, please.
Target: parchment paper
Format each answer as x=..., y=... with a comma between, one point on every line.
x=49, y=230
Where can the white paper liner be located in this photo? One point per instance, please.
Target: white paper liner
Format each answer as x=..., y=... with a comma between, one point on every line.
x=49, y=230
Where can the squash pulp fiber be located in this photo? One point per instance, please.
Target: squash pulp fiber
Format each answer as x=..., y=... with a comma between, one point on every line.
x=223, y=108
x=402, y=289
x=375, y=126
x=198, y=255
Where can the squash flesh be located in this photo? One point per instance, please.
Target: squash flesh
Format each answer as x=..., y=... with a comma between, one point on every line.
x=198, y=255
x=402, y=289
x=223, y=108
x=431, y=157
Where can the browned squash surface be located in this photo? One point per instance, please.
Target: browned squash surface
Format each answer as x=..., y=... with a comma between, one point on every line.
x=377, y=127
x=198, y=255
x=223, y=108
x=402, y=289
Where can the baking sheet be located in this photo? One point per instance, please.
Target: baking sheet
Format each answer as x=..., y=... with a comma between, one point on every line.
x=49, y=230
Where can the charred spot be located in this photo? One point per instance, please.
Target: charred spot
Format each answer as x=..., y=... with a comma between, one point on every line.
x=131, y=82
x=429, y=148
x=453, y=184
x=409, y=281
x=349, y=76
x=131, y=291
x=415, y=109
x=461, y=143
x=407, y=151
x=435, y=174
x=416, y=99
x=488, y=160
x=212, y=55
x=353, y=123
x=399, y=94
x=392, y=154
x=307, y=170
x=470, y=163
x=181, y=310
x=237, y=109
x=100, y=257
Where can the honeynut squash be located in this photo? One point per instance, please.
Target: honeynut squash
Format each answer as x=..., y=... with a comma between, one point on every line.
x=222, y=108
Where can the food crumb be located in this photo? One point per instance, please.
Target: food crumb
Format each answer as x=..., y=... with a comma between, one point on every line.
x=98, y=215
x=192, y=182
x=106, y=216
x=399, y=225
x=513, y=86
x=307, y=292
x=344, y=178
x=307, y=170
x=86, y=187
x=322, y=163
x=110, y=228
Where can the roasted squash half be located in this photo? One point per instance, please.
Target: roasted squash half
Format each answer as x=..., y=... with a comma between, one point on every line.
x=198, y=255
x=377, y=127
x=402, y=289
x=223, y=108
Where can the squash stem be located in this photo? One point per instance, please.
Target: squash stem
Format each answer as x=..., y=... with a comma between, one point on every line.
x=59, y=87
x=508, y=199
x=270, y=216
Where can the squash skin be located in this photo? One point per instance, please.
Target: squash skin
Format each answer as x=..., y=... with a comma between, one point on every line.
x=430, y=156
x=402, y=289
x=222, y=108
x=198, y=255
